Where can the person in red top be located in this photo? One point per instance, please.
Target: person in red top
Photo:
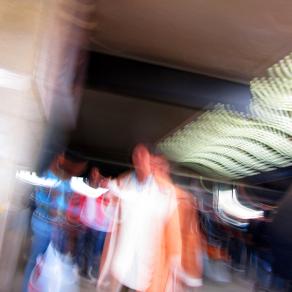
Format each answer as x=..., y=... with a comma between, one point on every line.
x=94, y=216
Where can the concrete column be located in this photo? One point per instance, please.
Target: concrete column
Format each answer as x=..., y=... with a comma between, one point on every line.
x=42, y=45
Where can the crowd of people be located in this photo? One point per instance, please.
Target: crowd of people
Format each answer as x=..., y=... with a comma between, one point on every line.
x=140, y=234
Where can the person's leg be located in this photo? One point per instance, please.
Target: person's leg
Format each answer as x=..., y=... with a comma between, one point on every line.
x=74, y=233
x=40, y=242
x=91, y=250
x=100, y=242
x=97, y=243
x=81, y=250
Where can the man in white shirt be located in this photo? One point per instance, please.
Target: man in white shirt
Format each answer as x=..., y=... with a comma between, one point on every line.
x=146, y=240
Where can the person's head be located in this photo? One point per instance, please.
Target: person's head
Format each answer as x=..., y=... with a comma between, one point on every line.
x=141, y=161
x=95, y=176
x=160, y=166
x=66, y=166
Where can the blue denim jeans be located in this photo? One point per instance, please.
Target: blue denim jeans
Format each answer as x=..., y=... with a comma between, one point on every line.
x=40, y=242
x=89, y=248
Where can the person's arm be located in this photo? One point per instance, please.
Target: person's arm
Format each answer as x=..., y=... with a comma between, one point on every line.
x=173, y=238
x=189, y=271
x=116, y=186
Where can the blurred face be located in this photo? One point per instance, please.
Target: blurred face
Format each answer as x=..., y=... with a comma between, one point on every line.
x=77, y=168
x=141, y=161
x=160, y=166
x=95, y=176
x=70, y=168
x=60, y=161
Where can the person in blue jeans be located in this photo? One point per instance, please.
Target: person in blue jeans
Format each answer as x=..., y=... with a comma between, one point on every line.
x=41, y=225
x=93, y=232
x=50, y=204
x=90, y=246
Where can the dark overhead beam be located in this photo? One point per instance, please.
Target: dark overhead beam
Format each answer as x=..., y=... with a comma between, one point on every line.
x=162, y=84
x=273, y=176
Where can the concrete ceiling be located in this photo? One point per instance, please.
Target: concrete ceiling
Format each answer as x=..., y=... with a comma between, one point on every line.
x=126, y=102
x=235, y=40
x=109, y=125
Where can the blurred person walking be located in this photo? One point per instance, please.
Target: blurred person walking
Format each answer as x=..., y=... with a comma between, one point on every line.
x=145, y=244
x=280, y=234
x=50, y=204
x=96, y=216
x=189, y=273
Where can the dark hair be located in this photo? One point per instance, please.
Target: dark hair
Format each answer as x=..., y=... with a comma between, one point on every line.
x=74, y=156
x=148, y=146
x=90, y=166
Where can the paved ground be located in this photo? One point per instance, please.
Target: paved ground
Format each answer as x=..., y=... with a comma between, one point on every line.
x=237, y=285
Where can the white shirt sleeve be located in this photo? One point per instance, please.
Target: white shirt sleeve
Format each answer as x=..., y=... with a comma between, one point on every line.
x=114, y=188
